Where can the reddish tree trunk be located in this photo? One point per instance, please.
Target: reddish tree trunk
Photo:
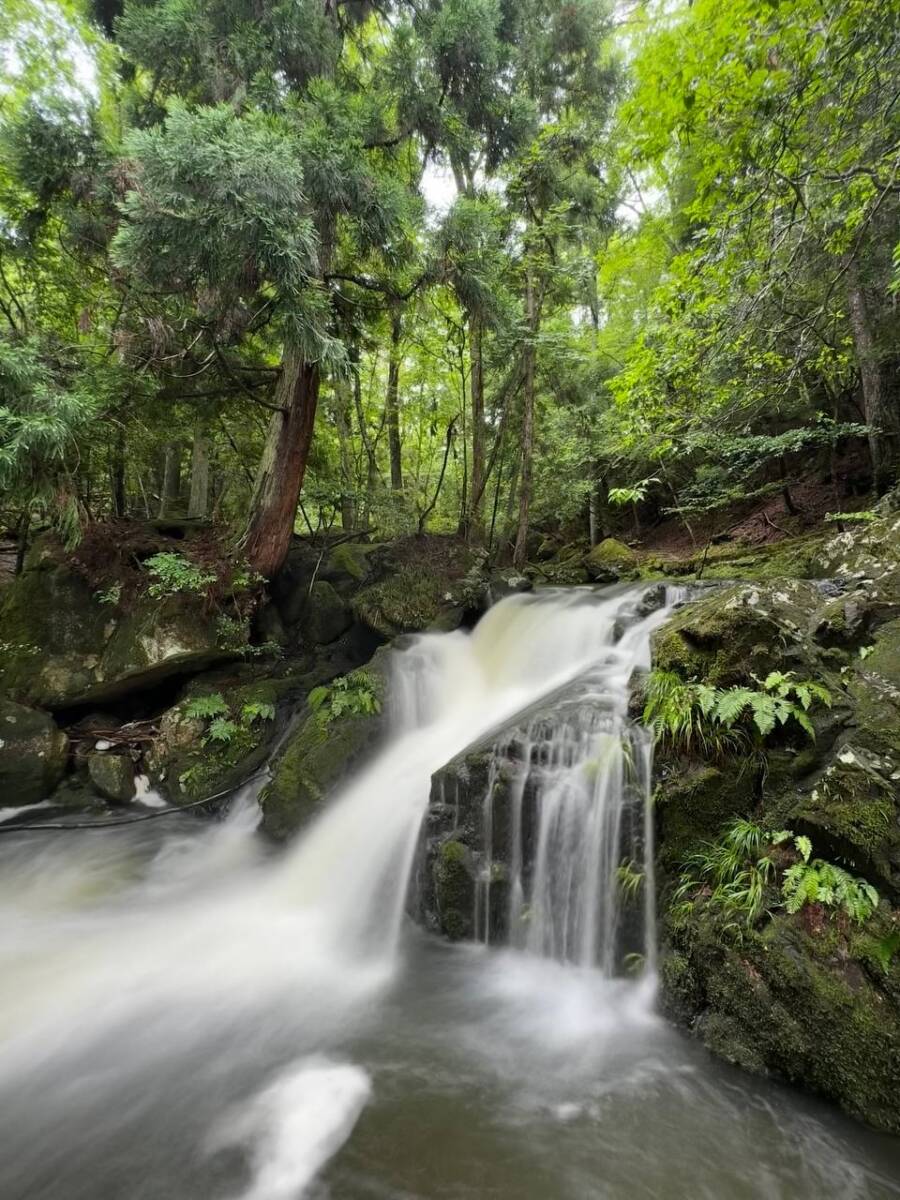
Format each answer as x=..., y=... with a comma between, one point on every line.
x=283, y=464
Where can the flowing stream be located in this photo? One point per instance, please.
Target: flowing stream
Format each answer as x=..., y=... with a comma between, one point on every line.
x=186, y=1014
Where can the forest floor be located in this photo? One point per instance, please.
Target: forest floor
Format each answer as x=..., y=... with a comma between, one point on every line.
x=766, y=519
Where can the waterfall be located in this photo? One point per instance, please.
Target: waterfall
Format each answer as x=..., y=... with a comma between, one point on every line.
x=560, y=831
x=588, y=770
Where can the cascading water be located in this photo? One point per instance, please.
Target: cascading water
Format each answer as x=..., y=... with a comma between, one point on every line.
x=185, y=1014
x=566, y=846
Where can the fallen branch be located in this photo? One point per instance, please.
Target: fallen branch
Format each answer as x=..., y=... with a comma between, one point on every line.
x=151, y=816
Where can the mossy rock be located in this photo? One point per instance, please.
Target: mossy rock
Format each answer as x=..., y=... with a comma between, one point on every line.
x=326, y=616
x=454, y=890
x=189, y=764
x=794, y=1004
x=317, y=756
x=694, y=800
x=611, y=560
x=732, y=635
x=790, y=558
x=33, y=754
x=408, y=601
x=111, y=776
x=61, y=646
x=348, y=563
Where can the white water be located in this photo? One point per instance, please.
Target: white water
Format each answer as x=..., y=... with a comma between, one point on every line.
x=167, y=995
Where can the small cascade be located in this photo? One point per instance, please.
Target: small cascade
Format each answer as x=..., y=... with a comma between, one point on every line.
x=560, y=832
x=578, y=887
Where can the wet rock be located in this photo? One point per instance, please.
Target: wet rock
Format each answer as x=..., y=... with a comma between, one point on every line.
x=33, y=754
x=803, y=996
x=320, y=752
x=740, y=631
x=112, y=776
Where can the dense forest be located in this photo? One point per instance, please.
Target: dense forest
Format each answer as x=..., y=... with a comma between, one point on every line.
x=475, y=266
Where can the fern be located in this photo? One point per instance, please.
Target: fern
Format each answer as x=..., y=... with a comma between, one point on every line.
x=222, y=730
x=348, y=695
x=820, y=882
x=716, y=719
x=257, y=710
x=206, y=707
x=630, y=880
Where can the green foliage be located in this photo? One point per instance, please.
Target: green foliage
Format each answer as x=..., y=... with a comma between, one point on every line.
x=736, y=874
x=819, y=882
x=732, y=874
x=223, y=726
x=257, y=710
x=204, y=707
x=348, y=695
x=630, y=879
x=857, y=518
x=716, y=719
x=221, y=730
x=173, y=574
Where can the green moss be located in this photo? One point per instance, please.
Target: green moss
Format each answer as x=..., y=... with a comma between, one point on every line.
x=694, y=802
x=610, y=560
x=792, y=1003
x=350, y=558
x=316, y=757
x=454, y=890
x=407, y=601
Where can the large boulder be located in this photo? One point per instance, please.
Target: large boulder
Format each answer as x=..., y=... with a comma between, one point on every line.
x=611, y=560
x=330, y=739
x=738, y=632
x=326, y=616
x=33, y=754
x=812, y=996
x=217, y=735
x=63, y=645
x=422, y=580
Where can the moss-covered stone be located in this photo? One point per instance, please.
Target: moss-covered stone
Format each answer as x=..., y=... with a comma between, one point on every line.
x=111, y=776
x=696, y=799
x=61, y=645
x=742, y=631
x=33, y=754
x=407, y=601
x=348, y=561
x=454, y=890
x=807, y=997
x=317, y=756
x=794, y=1004
x=189, y=764
x=610, y=560
x=326, y=616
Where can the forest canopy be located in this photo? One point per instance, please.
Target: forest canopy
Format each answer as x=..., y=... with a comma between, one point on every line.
x=484, y=267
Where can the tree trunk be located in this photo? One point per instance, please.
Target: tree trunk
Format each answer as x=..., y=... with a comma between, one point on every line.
x=117, y=472
x=478, y=480
x=392, y=404
x=198, y=505
x=525, y=471
x=276, y=492
x=882, y=422
x=170, y=490
x=342, y=403
x=595, y=516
